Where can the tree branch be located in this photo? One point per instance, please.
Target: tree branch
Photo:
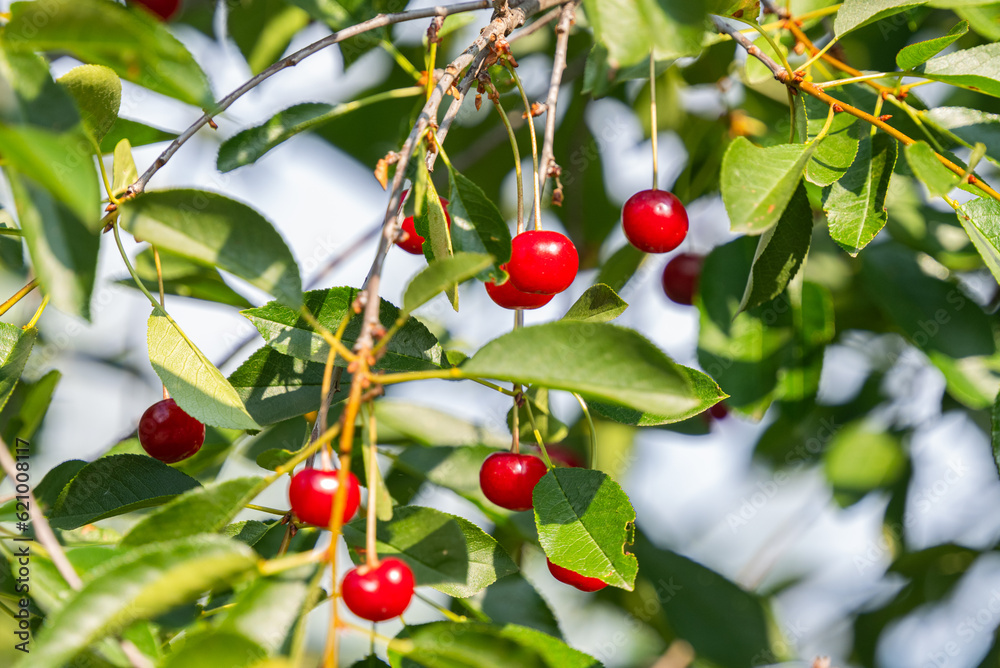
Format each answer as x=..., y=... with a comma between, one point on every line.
x=545, y=162
x=380, y=21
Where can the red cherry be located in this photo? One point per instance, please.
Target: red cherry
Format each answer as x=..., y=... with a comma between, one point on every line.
x=542, y=262
x=680, y=278
x=508, y=296
x=312, y=493
x=654, y=221
x=508, y=479
x=169, y=434
x=581, y=582
x=379, y=593
x=718, y=411
x=408, y=238
x=165, y=9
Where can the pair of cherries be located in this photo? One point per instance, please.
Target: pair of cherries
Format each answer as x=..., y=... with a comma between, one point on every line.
x=508, y=480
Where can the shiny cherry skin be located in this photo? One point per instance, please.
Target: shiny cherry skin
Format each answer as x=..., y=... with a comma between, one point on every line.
x=169, y=434
x=680, y=278
x=542, y=262
x=312, y=492
x=507, y=296
x=379, y=593
x=581, y=582
x=408, y=238
x=164, y=9
x=654, y=221
x=507, y=479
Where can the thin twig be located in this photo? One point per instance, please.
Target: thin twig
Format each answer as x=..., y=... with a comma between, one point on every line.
x=546, y=159
x=18, y=296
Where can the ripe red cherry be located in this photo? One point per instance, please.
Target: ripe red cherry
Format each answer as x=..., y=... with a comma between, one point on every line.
x=165, y=9
x=312, y=493
x=507, y=479
x=581, y=582
x=680, y=278
x=508, y=296
x=169, y=434
x=654, y=221
x=718, y=411
x=379, y=593
x=408, y=238
x=542, y=262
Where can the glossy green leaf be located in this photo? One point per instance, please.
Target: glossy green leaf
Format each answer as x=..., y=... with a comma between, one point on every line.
x=454, y=468
x=925, y=166
x=97, y=91
x=598, y=360
x=413, y=348
x=218, y=232
x=621, y=266
x=513, y=600
x=780, y=252
x=192, y=380
x=268, y=609
x=855, y=205
x=441, y=275
x=757, y=183
x=585, y=523
x=598, y=304
x=124, y=171
x=971, y=125
x=139, y=482
x=216, y=648
x=26, y=407
x=630, y=29
x=139, y=584
x=184, y=278
x=429, y=221
x=836, y=151
x=981, y=220
x=477, y=226
x=913, y=55
x=137, y=133
x=63, y=251
x=977, y=69
x=15, y=348
x=143, y=51
x=706, y=390
x=275, y=387
x=856, y=14
x=200, y=510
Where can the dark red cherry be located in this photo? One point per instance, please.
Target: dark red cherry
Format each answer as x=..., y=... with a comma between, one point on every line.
x=680, y=277
x=164, y=9
x=718, y=411
x=581, y=582
x=408, y=238
x=542, y=262
x=311, y=495
x=169, y=434
x=507, y=296
x=654, y=221
x=507, y=479
x=379, y=593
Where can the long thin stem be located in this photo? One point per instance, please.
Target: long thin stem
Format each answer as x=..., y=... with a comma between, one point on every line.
x=536, y=206
x=371, y=554
x=18, y=296
x=538, y=435
x=38, y=313
x=517, y=159
x=590, y=424
x=653, y=123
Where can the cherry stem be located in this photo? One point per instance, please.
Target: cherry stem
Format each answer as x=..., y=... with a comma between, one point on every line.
x=590, y=423
x=371, y=546
x=654, y=125
x=266, y=509
x=538, y=434
x=18, y=296
x=163, y=300
x=312, y=598
x=431, y=58
x=517, y=157
x=440, y=608
x=530, y=119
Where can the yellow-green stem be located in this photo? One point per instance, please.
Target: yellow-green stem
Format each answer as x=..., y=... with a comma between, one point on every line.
x=18, y=296
x=537, y=197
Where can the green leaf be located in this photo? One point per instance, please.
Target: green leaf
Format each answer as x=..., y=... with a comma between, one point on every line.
x=214, y=648
x=268, y=608
x=934, y=314
x=138, y=482
x=598, y=304
x=454, y=645
x=48, y=490
x=855, y=205
x=429, y=220
x=454, y=468
x=856, y=14
x=780, y=252
x=549, y=427
x=137, y=133
x=477, y=226
x=863, y=457
x=599, y=360
x=913, y=55
x=836, y=151
x=184, y=278
x=124, y=170
x=26, y=407
x=630, y=29
x=441, y=275
x=192, y=380
x=706, y=390
x=755, y=72
x=97, y=91
x=413, y=348
x=618, y=269
x=701, y=606
x=977, y=69
x=981, y=220
x=200, y=510
x=217, y=232
x=139, y=584
x=757, y=183
x=925, y=166
x=143, y=50
x=63, y=251
x=585, y=523
x=15, y=348
x=275, y=387
x=513, y=600
x=444, y=551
